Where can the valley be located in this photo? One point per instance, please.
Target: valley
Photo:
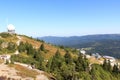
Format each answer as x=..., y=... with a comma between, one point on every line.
x=104, y=44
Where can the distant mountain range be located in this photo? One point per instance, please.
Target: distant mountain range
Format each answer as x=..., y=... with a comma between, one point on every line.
x=105, y=44
x=76, y=41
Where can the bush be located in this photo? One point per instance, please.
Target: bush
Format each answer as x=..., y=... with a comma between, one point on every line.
x=5, y=35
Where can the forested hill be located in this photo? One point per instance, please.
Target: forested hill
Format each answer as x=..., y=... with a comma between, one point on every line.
x=106, y=44
x=74, y=40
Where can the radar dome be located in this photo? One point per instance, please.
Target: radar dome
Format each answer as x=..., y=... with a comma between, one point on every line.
x=10, y=27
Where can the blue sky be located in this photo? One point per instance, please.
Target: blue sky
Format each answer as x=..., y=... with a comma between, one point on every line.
x=61, y=17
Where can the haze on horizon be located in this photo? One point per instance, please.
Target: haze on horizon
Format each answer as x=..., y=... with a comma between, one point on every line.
x=61, y=17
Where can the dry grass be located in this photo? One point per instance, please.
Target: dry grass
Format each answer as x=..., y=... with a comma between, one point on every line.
x=96, y=61
x=51, y=50
x=49, y=76
x=31, y=41
x=24, y=54
x=24, y=72
x=11, y=39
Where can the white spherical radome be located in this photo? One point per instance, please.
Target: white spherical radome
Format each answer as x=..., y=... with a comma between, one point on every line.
x=10, y=27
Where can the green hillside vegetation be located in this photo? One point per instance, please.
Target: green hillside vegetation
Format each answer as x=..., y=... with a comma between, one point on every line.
x=104, y=47
x=61, y=62
x=8, y=37
x=70, y=68
x=7, y=43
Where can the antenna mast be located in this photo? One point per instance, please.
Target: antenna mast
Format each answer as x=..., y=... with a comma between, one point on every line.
x=7, y=21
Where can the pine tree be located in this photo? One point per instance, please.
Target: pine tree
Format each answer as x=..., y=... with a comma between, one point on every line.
x=42, y=48
x=21, y=47
x=49, y=64
x=57, y=54
x=30, y=49
x=115, y=68
x=105, y=65
x=11, y=46
x=79, y=63
x=56, y=61
x=109, y=67
x=68, y=58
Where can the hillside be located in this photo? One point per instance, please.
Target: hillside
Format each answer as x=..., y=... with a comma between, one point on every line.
x=26, y=58
x=106, y=44
x=10, y=51
x=5, y=39
x=23, y=49
x=50, y=49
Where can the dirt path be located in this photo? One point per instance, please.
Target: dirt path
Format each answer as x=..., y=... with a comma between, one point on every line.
x=18, y=43
x=19, y=40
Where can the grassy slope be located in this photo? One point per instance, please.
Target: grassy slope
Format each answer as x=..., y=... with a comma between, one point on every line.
x=50, y=48
x=23, y=71
x=13, y=38
x=9, y=38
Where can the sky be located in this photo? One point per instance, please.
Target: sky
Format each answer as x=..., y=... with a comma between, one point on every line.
x=61, y=17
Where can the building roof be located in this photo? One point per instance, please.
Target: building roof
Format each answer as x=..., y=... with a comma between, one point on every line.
x=108, y=57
